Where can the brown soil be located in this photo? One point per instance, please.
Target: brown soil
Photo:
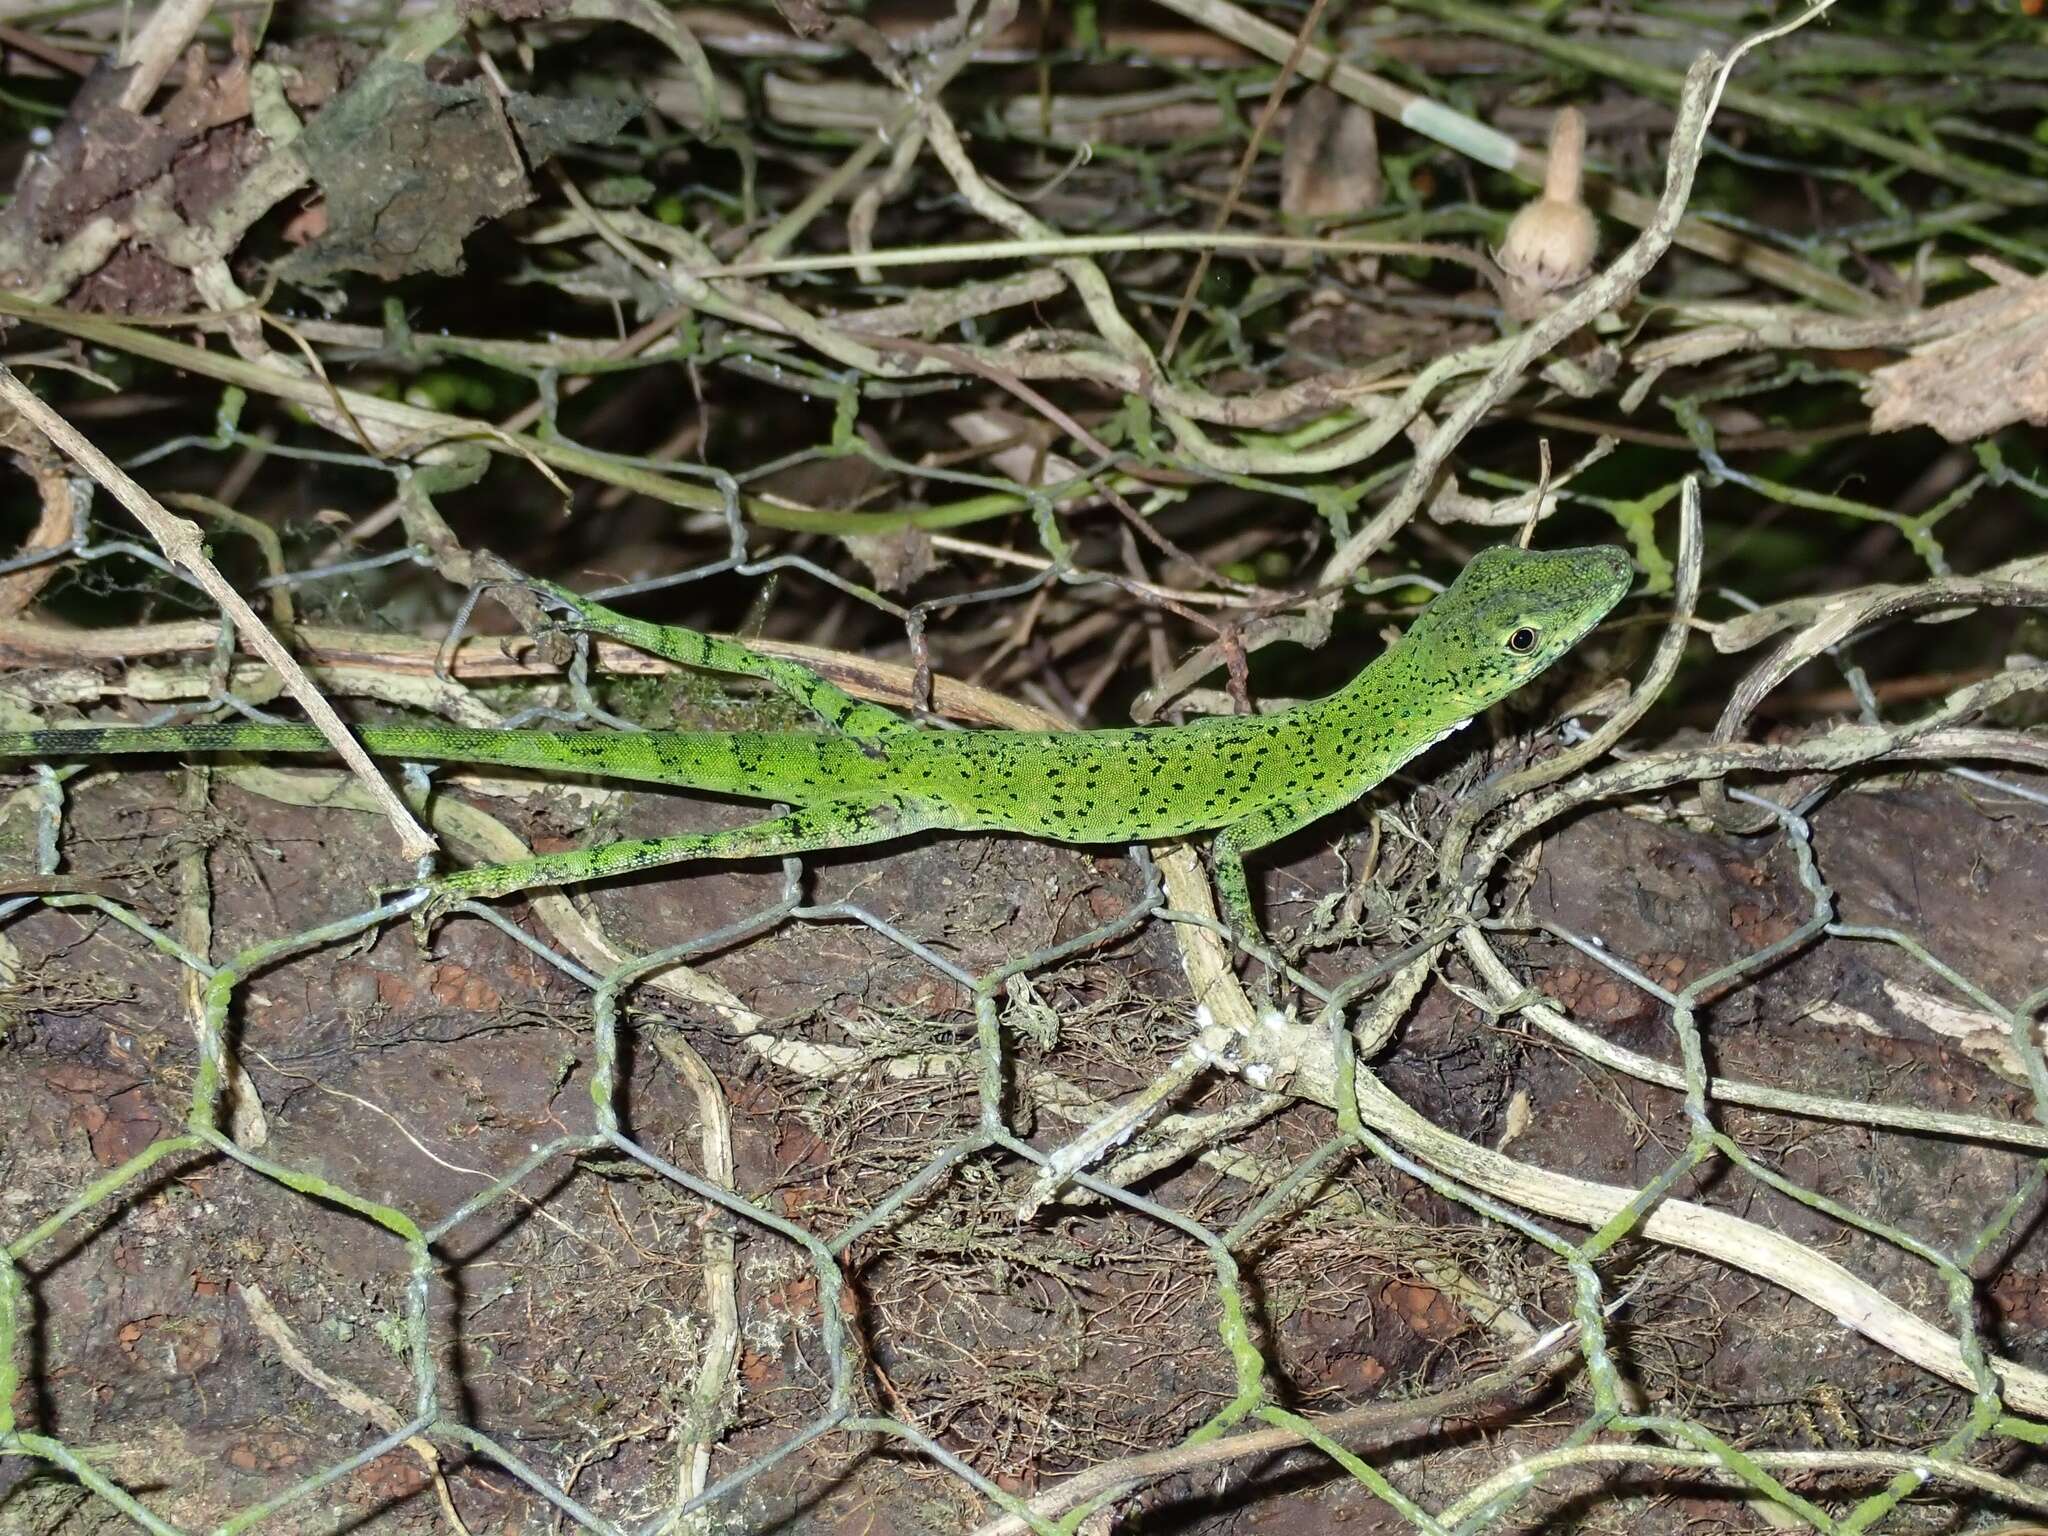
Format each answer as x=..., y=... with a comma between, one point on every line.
x=569, y=1317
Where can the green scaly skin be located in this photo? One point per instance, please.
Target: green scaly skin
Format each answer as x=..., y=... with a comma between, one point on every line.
x=872, y=776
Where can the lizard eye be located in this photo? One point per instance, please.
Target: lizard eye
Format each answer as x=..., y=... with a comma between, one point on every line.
x=1522, y=641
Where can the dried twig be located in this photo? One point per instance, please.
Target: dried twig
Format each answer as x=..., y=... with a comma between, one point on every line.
x=181, y=543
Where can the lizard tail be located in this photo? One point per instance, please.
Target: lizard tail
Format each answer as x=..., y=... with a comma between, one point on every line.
x=601, y=753
x=793, y=766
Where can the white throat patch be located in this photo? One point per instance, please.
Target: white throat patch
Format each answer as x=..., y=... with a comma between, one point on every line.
x=1449, y=730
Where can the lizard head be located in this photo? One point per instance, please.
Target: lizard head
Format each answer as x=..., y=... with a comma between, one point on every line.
x=1510, y=614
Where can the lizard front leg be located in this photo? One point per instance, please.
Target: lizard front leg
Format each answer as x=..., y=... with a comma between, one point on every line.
x=838, y=709
x=1227, y=853
x=827, y=824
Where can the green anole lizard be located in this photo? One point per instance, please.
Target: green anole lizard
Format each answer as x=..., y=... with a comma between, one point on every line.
x=871, y=775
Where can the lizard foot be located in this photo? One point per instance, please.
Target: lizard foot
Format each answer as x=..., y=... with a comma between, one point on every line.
x=444, y=894
x=1266, y=985
x=1256, y=947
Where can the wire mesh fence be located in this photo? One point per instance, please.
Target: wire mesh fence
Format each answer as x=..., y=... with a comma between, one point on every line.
x=1050, y=1215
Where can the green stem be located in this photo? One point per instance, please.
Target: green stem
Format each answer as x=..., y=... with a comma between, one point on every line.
x=441, y=427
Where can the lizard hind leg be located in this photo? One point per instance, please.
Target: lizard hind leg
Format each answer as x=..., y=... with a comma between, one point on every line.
x=827, y=824
x=839, y=710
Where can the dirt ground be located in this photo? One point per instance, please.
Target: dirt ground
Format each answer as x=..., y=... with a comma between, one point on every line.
x=1072, y=355
x=570, y=1317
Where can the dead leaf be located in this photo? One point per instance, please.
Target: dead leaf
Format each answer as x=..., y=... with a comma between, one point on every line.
x=409, y=167
x=1330, y=159
x=1018, y=446
x=1990, y=374
x=895, y=560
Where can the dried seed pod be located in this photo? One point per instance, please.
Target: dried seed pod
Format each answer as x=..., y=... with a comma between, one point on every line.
x=1551, y=243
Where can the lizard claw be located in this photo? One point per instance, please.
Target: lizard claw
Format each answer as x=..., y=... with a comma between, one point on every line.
x=444, y=893
x=1272, y=972
x=425, y=915
x=569, y=605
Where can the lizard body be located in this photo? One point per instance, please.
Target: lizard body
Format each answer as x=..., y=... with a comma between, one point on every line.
x=873, y=776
